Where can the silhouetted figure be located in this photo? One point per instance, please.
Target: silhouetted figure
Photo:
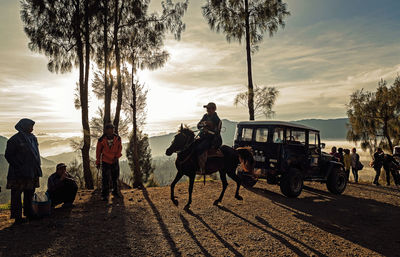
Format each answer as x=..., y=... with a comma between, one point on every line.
x=379, y=156
x=340, y=155
x=391, y=166
x=347, y=162
x=62, y=187
x=210, y=135
x=334, y=153
x=22, y=154
x=108, y=152
x=355, y=160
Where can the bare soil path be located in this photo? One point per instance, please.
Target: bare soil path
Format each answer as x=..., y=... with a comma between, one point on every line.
x=365, y=221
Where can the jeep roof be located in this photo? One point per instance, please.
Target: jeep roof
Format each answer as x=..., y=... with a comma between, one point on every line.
x=276, y=123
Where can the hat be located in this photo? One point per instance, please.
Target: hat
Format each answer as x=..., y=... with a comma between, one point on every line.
x=210, y=105
x=60, y=165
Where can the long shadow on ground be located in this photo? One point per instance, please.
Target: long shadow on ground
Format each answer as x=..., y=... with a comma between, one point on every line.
x=366, y=222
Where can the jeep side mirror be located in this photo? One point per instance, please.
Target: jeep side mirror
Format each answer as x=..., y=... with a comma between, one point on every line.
x=323, y=145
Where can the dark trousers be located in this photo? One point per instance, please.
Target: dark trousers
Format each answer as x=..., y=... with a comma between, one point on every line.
x=16, y=204
x=64, y=194
x=347, y=171
x=378, y=174
x=395, y=175
x=109, y=171
x=355, y=174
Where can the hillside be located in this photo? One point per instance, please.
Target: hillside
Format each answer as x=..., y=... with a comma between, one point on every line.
x=362, y=222
x=3, y=143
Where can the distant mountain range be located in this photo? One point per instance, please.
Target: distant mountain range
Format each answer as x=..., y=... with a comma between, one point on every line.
x=332, y=129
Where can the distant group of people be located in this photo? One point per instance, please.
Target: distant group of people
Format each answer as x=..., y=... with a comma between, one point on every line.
x=351, y=160
x=22, y=154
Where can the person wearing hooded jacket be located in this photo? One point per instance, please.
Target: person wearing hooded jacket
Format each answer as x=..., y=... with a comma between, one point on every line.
x=24, y=171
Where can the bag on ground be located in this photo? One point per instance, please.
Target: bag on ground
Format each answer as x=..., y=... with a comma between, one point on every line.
x=41, y=204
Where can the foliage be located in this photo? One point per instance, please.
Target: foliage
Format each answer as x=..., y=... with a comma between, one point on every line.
x=374, y=117
x=264, y=100
x=229, y=17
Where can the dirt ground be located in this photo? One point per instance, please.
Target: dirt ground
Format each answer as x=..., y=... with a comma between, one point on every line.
x=365, y=221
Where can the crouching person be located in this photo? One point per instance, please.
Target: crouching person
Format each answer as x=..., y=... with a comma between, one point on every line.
x=62, y=187
x=108, y=152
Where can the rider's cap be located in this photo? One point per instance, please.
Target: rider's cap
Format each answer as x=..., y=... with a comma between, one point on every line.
x=210, y=105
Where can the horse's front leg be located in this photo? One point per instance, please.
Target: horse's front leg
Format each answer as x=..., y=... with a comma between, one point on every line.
x=222, y=175
x=191, y=183
x=178, y=176
x=235, y=177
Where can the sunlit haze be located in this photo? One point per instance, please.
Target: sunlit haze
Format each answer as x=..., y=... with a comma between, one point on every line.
x=326, y=51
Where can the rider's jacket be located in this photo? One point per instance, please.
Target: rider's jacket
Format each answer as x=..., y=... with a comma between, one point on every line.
x=215, y=126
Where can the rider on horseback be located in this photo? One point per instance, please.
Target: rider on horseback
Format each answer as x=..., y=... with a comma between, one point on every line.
x=210, y=135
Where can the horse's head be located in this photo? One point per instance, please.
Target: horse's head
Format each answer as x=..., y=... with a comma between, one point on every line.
x=181, y=140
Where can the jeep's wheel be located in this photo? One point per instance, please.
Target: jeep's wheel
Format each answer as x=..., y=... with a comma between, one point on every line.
x=337, y=181
x=292, y=183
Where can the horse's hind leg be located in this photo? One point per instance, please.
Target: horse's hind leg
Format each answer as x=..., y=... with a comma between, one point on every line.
x=191, y=183
x=235, y=177
x=222, y=175
x=178, y=176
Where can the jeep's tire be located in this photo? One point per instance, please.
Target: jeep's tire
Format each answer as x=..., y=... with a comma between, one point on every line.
x=292, y=183
x=337, y=181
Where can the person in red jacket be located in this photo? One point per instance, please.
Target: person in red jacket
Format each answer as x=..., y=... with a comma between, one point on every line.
x=108, y=151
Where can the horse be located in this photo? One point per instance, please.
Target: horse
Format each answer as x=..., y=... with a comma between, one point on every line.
x=184, y=144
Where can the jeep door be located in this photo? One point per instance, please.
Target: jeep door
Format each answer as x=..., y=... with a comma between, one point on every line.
x=295, y=153
x=314, y=153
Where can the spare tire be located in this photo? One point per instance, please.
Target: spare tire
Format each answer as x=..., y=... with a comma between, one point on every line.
x=247, y=180
x=337, y=181
x=291, y=183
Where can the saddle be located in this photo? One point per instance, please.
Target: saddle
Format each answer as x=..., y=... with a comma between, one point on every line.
x=211, y=153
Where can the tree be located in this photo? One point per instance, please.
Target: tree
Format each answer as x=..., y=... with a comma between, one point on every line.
x=144, y=161
x=264, y=100
x=248, y=19
x=374, y=117
x=61, y=30
x=143, y=40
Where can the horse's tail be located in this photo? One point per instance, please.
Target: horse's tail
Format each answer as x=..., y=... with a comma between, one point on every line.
x=246, y=158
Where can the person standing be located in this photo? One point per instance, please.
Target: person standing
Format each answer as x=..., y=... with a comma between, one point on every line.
x=347, y=162
x=391, y=166
x=108, y=152
x=340, y=155
x=24, y=171
x=379, y=157
x=355, y=159
x=62, y=187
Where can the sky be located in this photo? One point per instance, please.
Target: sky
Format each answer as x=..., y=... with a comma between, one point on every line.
x=327, y=50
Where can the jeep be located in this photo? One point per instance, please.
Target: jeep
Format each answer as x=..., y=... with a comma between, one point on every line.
x=287, y=154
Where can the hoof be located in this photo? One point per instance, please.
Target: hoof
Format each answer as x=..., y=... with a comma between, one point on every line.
x=239, y=197
x=176, y=203
x=216, y=202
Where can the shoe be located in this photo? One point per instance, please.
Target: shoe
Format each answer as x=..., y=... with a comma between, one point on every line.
x=377, y=184
x=19, y=221
x=388, y=185
x=68, y=206
x=116, y=195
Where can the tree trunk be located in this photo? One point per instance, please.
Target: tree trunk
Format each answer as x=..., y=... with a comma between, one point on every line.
x=107, y=88
x=386, y=135
x=83, y=91
x=250, y=98
x=118, y=67
x=137, y=174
